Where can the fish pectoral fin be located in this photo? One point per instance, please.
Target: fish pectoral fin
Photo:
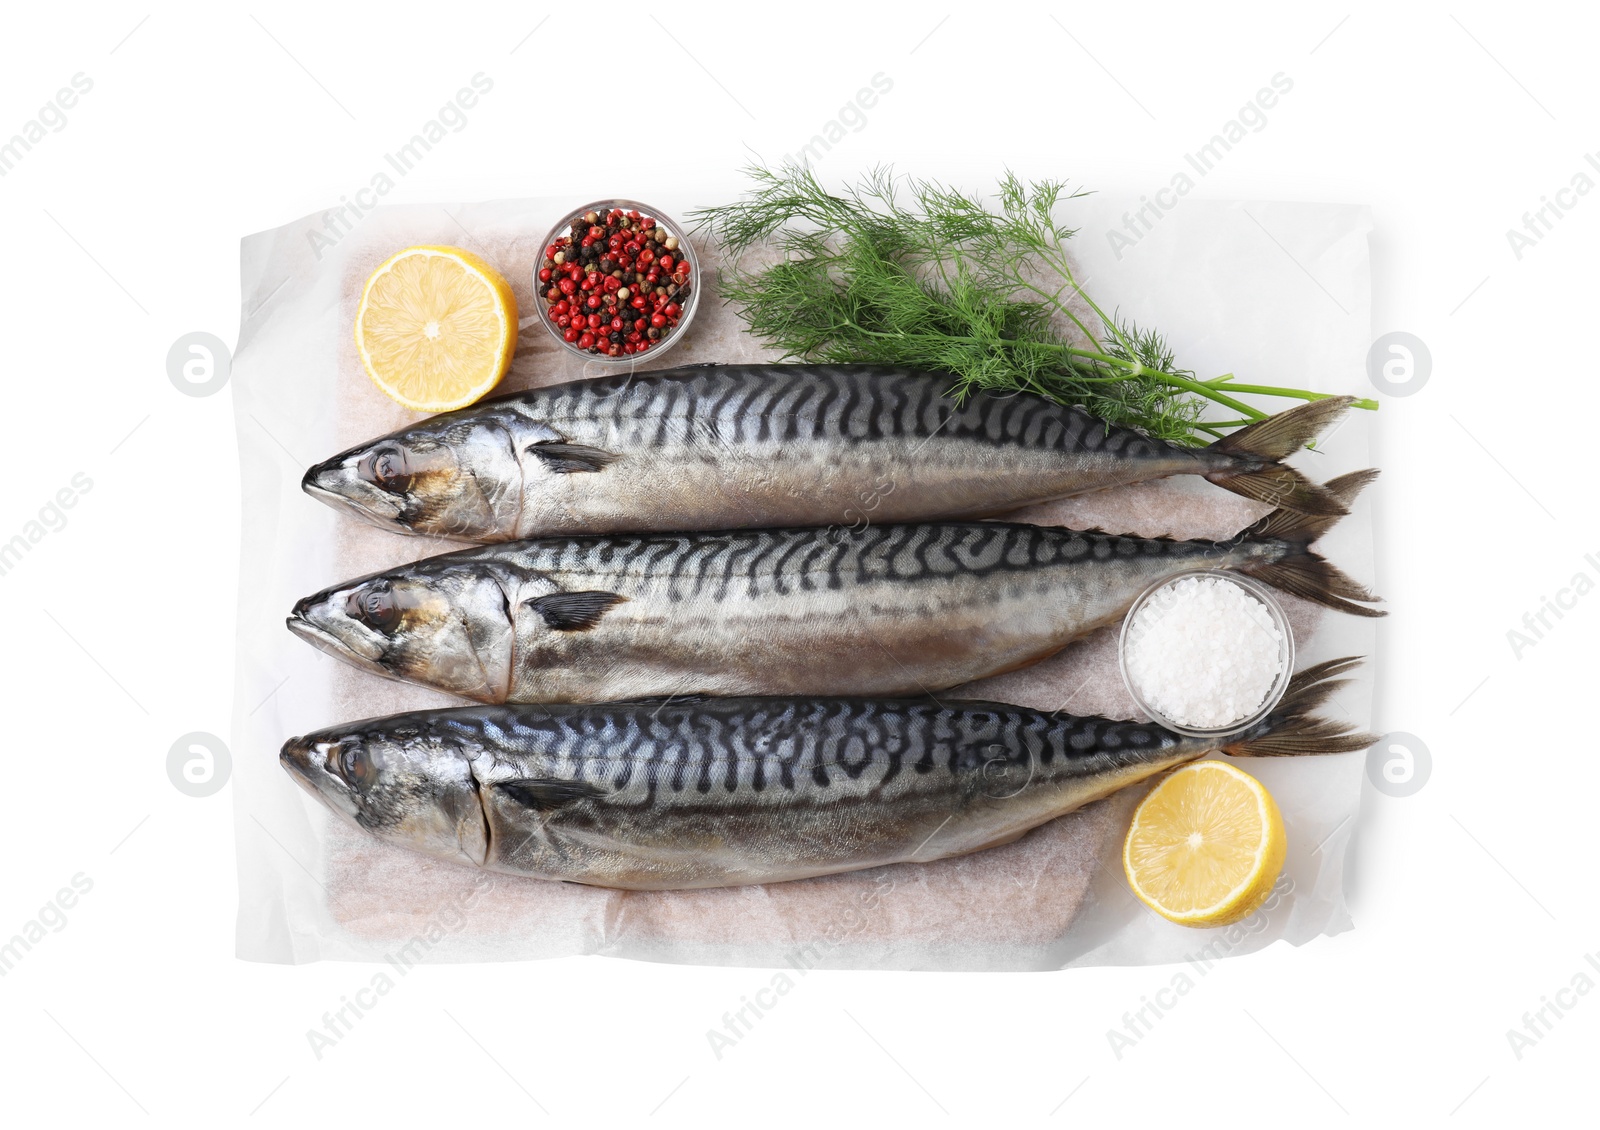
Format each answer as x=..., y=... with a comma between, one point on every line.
x=570, y=458
x=999, y=841
x=664, y=699
x=545, y=793
x=574, y=611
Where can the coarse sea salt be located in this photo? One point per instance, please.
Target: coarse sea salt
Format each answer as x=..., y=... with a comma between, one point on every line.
x=1203, y=652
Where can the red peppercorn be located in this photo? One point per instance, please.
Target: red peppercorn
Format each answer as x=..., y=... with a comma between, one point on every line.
x=581, y=295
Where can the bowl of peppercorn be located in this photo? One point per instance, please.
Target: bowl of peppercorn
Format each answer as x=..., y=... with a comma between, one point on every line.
x=618, y=282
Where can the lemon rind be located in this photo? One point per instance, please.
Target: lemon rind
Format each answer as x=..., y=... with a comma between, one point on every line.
x=1225, y=910
x=496, y=285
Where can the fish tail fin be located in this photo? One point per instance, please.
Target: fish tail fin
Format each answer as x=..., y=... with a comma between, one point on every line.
x=1254, y=466
x=1290, y=730
x=1301, y=570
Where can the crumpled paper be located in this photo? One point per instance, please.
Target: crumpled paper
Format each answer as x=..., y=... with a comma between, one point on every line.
x=1275, y=293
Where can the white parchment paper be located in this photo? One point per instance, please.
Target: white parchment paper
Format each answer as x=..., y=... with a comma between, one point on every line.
x=1274, y=293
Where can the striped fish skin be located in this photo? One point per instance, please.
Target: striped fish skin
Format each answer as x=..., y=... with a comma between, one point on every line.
x=722, y=792
x=743, y=446
x=881, y=611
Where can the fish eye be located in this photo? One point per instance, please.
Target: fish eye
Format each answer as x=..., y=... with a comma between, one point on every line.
x=375, y=607
x=351, y=765
x=388, y=468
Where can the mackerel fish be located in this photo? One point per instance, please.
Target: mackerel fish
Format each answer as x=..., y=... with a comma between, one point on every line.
x=743, y=446
x=731, y=791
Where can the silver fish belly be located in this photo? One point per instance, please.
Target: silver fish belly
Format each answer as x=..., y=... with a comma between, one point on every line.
x=741, y=446
x=723, y=792
x=881, y=611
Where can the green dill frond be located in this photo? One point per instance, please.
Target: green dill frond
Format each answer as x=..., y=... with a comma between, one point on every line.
x=901, y=271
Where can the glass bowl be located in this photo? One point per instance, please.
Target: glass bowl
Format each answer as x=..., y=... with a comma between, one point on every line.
x=684, y=251
x=1285, y=654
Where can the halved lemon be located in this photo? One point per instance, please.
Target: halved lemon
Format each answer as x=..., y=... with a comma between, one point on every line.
x=436, y=327
x=1206, y=846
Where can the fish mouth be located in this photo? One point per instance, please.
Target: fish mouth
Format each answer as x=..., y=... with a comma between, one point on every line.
x=339, y=484
x=306, y=762
x=319, y=492
x=327, y=642
x=317, y=637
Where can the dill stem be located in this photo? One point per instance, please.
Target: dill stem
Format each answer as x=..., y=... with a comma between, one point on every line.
x=1298, y=393
x=1172, y=379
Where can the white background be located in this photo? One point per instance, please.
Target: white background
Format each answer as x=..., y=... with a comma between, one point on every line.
x=1472, y=897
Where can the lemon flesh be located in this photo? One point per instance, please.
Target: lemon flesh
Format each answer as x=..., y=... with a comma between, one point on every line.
x=1206, y=846
x=436, y=328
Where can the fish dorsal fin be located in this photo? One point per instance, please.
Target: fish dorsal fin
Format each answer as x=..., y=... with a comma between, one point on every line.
x=574, y=611
x=545, y=793
x=571, y=458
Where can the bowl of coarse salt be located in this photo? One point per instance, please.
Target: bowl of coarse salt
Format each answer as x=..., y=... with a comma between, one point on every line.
x=1207, y=653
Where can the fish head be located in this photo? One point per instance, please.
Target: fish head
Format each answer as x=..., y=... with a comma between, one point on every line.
x=401, y=781
x=440, y=625
x=445, y=477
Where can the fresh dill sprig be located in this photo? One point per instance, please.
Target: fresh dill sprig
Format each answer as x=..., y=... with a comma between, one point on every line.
x=951, y=283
